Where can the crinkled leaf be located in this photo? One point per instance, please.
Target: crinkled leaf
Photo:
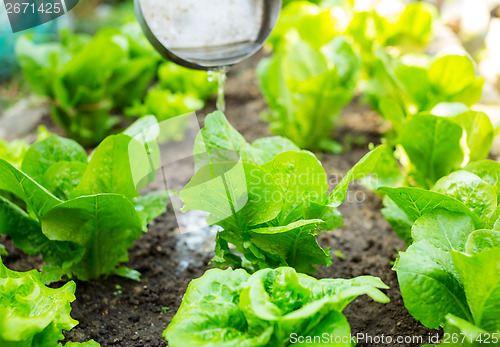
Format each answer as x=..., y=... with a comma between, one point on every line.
x=32, y=314
x=44, y=154
x=489, y=171
x=481, y=240
x=471, y=190
x=63, y=177
x=231, y=308
x=285, y=298
x=209, y=314
x=443, y=229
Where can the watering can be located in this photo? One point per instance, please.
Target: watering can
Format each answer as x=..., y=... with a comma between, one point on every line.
x=206, y=34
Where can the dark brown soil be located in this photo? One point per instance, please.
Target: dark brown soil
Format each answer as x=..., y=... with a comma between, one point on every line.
x=120, y=312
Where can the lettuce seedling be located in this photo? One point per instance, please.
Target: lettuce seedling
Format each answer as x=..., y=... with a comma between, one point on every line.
x=306, y=87
x=449, y=275
x=81, y=215
x=32, y=314
x=430, y=147
x=232, y=308
x=83, y=84
x=270, y=199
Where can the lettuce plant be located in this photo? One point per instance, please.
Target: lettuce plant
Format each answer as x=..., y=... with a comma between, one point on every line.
x=78, y=214
x=449, y=275
x=232, y=308
x=33, y=315
x=430, y=147
x=306, y=87
x=82, y=99
x=270, y=199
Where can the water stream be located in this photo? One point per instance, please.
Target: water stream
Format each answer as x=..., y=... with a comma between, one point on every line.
x=221, y=77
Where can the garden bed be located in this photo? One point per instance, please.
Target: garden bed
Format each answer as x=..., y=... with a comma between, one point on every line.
x=121, y=312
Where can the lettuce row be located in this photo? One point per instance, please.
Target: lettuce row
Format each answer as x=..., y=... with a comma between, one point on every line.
x=408, y=30
x=418, y=85
x=33, y=315
x=79, y=215
x=82, y=99
x=449, y=275
x=232, y=308
x=179, y=91
x=270, y=199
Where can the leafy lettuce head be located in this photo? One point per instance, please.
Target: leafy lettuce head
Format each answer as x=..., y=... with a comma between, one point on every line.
x=231, y=308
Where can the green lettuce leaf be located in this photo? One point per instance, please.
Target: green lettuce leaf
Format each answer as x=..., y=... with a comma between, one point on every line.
x=433, y=146
x=105, y=225
x=480, y=275
x=109, y=169
x=430, y=285
x=32, y=314
x=451, y=270
x=218, y=141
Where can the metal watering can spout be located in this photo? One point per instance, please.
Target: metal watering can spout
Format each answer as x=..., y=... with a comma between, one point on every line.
x=206, y=34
